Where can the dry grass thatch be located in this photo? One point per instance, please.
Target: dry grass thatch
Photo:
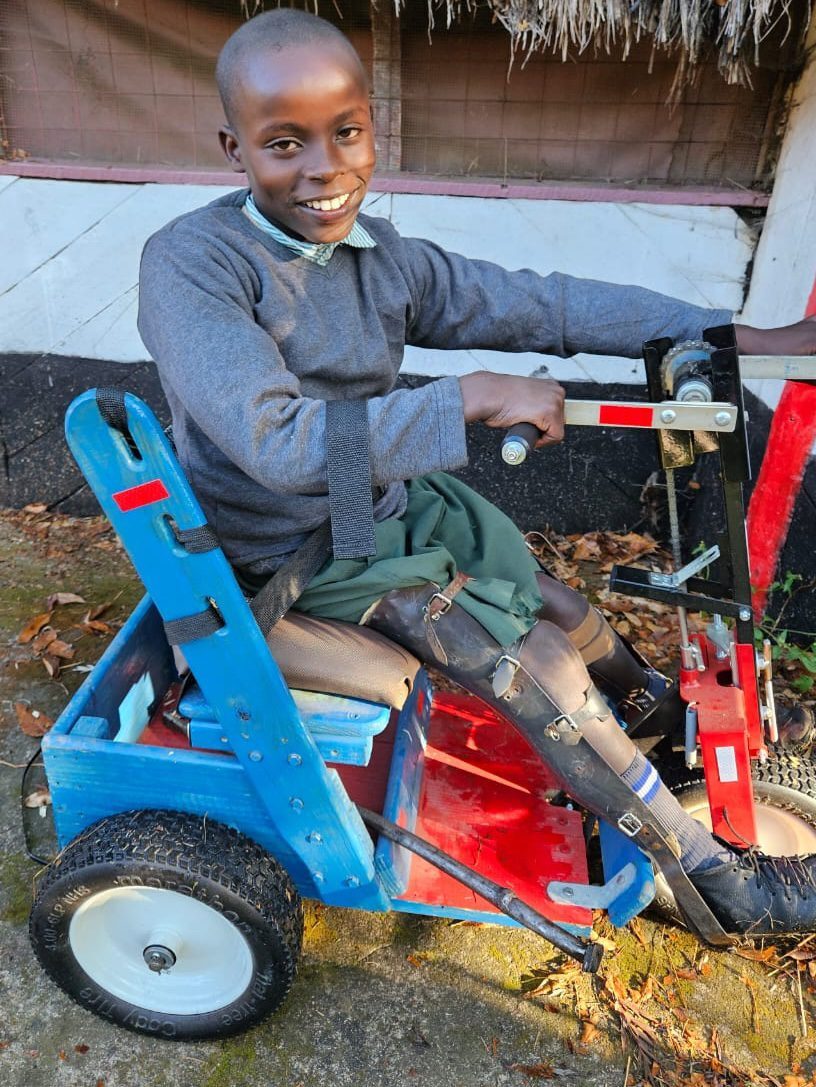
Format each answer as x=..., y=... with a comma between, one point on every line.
x=689, y=29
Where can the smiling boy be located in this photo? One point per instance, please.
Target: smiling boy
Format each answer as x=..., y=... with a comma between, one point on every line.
x=268, y=303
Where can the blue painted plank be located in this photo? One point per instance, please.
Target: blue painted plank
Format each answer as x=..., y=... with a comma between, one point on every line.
x=617, y=851
x=344, y=750
x=404, y=785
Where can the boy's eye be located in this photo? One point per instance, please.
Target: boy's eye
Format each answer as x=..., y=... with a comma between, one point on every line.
x=285, y=144
x=349, y=132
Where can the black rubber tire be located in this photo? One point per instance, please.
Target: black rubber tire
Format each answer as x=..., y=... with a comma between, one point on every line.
x=173, y=851
x=785, y=781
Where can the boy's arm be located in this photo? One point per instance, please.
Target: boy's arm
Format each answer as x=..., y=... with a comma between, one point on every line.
x=463, y=303
x=196, y=319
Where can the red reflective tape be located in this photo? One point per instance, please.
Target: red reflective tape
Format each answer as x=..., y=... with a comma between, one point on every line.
x=135, y=497
x=625, y=415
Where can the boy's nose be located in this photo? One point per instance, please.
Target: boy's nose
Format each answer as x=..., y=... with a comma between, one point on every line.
x=325, y=163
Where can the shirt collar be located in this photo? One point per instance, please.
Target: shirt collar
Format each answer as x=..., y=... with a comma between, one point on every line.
x=318, y=252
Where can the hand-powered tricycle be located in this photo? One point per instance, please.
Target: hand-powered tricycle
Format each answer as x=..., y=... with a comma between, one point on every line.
x=205, y=777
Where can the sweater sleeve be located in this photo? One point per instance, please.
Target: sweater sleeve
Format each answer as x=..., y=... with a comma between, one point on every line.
x=196, y=318
x=464, y=303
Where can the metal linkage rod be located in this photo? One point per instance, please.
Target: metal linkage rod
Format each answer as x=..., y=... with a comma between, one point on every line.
x=589, y=955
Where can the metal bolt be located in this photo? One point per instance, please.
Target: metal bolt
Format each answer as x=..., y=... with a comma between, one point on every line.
x=294, y=759
x=296, y=804
x=744, y=614
x=318, y=877
x=722, y=418
x=255, y=756
x=668, y=415
x=552, y=732
x=351, y=881
x=314, y=836
x=158, y=958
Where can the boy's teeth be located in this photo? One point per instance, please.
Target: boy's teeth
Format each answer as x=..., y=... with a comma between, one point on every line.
x=327, y=205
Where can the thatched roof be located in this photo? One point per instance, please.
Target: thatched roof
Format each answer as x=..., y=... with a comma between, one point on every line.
x=689, y=29
x=735, y=28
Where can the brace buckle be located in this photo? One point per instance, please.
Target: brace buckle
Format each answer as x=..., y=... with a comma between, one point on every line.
x=434, y=611
x=629, y=824
x=503, y=675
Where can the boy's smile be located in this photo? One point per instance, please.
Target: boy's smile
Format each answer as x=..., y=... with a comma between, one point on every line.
x=301, y=130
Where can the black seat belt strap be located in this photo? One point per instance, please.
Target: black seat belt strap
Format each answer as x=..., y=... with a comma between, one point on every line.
x=349, y=469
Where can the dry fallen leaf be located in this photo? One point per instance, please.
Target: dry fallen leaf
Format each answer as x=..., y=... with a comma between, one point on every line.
x=32, y=722
x=51, y=665
x=544, y=1070
x=63, y=598
x=35, y=507
x=38, y=798
x=43, y=639
x=61, y=649
x=765, y=955
x=588, y=1033
x=33, y=627
x=81, y=1048
x=95, y=626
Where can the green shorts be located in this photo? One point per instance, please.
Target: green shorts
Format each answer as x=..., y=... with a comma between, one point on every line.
x=446, y=528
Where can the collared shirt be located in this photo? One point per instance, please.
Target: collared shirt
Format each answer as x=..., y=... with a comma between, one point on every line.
x=321, y=253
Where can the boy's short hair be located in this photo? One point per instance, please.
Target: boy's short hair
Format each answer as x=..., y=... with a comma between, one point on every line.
x=271, y=30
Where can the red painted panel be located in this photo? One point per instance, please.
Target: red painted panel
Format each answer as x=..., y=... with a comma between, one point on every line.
x=484, y=801
x=624, y=415
x=143, y=495
x=721, y=716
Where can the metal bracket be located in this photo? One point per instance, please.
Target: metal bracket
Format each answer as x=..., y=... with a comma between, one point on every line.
x=681, y=576
x=590, y=895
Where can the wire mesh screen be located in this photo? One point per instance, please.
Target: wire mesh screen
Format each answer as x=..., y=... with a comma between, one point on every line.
x=130, y=82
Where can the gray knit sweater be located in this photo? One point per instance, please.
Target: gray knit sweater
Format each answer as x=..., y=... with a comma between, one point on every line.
x=250, y=340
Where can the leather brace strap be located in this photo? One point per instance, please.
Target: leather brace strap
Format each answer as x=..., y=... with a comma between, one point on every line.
x=349, y=470
x=442, y=600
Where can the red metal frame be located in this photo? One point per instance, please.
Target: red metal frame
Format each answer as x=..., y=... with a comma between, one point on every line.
x=729, y=731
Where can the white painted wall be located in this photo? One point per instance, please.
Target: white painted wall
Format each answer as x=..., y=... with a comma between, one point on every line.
x=69, y=274
x=785, y=266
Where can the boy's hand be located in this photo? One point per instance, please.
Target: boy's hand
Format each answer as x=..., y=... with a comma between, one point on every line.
x=796, y=339
x=500, y=400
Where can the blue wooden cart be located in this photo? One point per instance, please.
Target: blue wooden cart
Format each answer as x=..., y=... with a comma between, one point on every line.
x=198, y=795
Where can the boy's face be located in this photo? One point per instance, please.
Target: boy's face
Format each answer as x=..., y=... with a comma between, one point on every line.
x=302, y=132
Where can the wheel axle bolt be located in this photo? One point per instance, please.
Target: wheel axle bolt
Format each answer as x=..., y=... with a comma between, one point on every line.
x=158, y=958
x=668, y=415
x=722, y=418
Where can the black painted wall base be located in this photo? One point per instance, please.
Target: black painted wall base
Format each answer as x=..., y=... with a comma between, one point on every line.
x=597, y=479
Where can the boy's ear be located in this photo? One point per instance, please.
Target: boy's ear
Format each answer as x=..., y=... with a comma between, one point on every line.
x=231, y=148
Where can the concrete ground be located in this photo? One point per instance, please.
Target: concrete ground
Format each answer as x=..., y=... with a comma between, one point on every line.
x=379, y=999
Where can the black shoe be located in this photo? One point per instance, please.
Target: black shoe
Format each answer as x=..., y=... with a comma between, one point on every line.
x=797, y=730
x=753, y=894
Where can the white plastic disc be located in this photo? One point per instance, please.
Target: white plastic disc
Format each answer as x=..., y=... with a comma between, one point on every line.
x=110, y=931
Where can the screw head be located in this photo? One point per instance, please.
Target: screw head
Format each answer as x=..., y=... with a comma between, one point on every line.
x=744, y=614
x=255, y=756
x=668, y=415
x=296, y=804
x=722, y=418
x=294, y=759
x=351, y=881
x=244, y=715
x=314, y=836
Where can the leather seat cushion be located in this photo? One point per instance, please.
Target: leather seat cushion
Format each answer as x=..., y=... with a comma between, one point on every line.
x=333, y=657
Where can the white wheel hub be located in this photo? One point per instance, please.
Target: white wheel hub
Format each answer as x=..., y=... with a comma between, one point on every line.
x=206, y=963
x=780, y=832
